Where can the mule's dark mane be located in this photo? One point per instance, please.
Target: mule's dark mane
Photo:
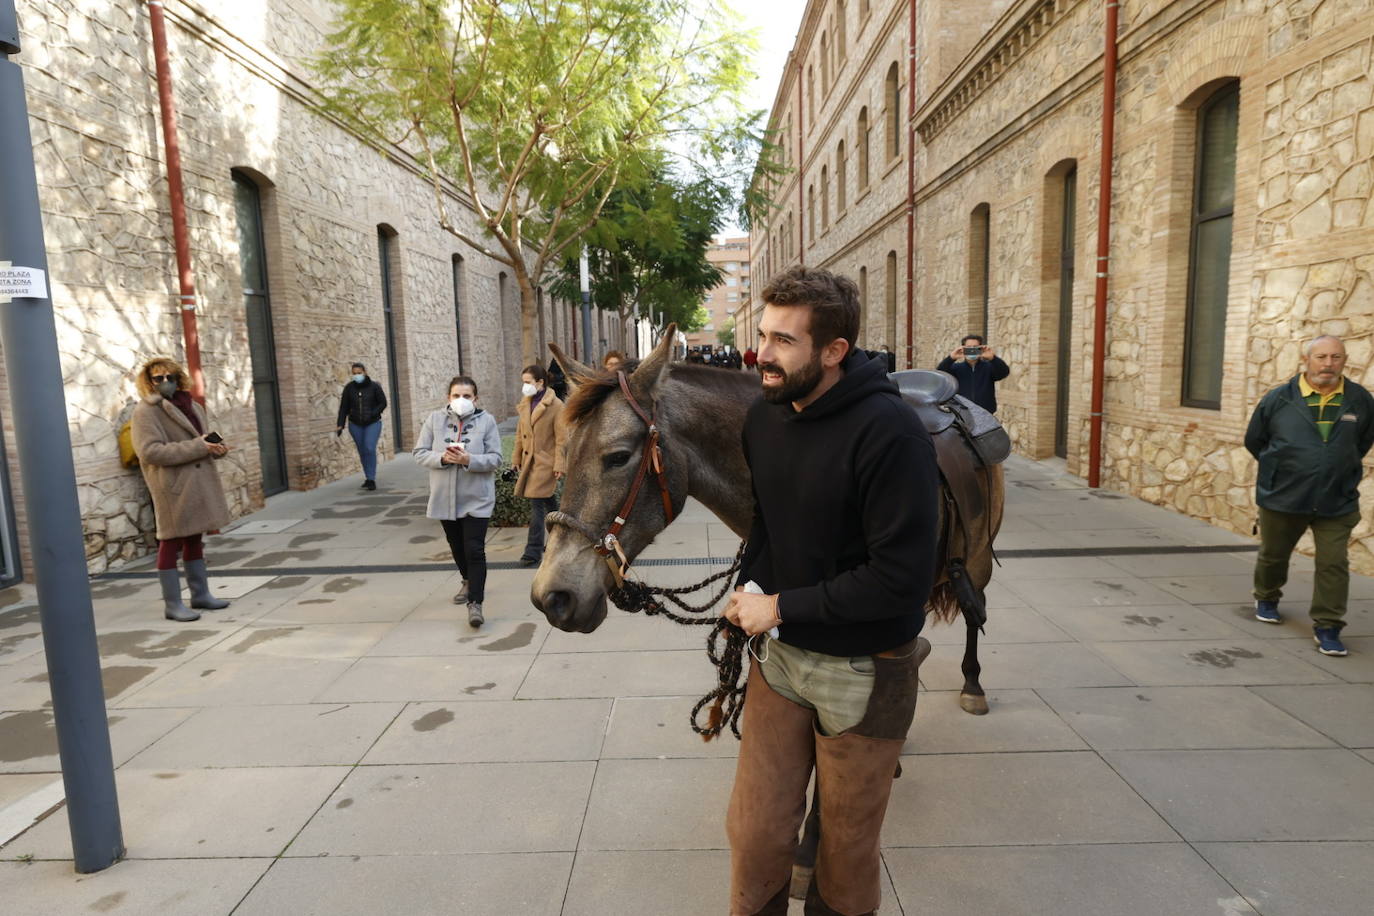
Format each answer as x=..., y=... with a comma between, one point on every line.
x=592, y=392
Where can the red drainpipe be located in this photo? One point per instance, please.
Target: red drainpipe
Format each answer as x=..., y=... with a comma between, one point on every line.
x=911, y=186
x=801, y=173
x=1104, y=236
x=180, y=235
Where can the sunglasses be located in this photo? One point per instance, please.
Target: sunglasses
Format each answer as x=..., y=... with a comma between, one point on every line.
x=165, y=378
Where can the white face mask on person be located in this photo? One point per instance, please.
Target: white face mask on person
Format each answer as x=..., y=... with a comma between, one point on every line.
x=528, y=390
x=461, y=407
x=358, y=377
x=167, y=389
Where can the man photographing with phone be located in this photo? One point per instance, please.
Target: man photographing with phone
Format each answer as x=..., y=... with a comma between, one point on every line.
x=977, y=368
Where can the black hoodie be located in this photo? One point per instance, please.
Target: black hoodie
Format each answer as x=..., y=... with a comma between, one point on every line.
x=845, y=514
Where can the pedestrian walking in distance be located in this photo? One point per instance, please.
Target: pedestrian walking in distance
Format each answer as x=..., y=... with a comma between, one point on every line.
x=613, y=360
x=461, y=446
x=540, y=450
x=177, y=451
x=840, y=559
x=361, y=406
x=977, y=368
x=1310, y=435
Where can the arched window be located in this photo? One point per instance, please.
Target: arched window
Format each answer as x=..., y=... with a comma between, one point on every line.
x=841, y=176
x=1209, y=261
x=825, y=62
x=892, y=96
x=811, y=212
x=841, y=39
x=825, y=197
x=863, y=308
x=811, y=94
x=978, y=253
x=862, y=141
x=890, y=301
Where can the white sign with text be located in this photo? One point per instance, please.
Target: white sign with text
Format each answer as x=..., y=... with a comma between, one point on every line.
x=21, y=282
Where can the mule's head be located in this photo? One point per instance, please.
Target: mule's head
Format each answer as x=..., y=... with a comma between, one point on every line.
x=606, y=440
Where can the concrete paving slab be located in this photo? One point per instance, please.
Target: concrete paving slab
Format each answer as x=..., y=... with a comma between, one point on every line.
x=659, y=804
x=317, y=607
x=1118, y=624
x=318, y=640
x=158, y=642
x=1005, y=625
x=25, y=685
x=1126, y=537
x=998, y=596
x=266, y=736
x=1241, y=615
x=1182, y=718
x=1343, y=711
x=495, y=731
x=1103, y=591
x=1016, y=799
x=180, y=887
x=17, y=786
x=263, y=526
x=451, y=809
x=220, y=679
x=1018, y=721
x=530, y=884
x=1298, y=879
x=1355, y=668
x=194, y=814
x=1219, y=589
x=1029, y=665
x=617, y=674
x=1209, y=662
x=1184, y=564
x=1226, y=796
x=1015, y=568
x=631, y=633
x=648, y=727
x=1160, y=879
x=511, y=636
x=676, y=883
x=419, y=678
x=28, y=739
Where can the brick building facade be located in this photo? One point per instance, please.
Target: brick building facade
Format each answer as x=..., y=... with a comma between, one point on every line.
x=1241, y=215
x=731, y=257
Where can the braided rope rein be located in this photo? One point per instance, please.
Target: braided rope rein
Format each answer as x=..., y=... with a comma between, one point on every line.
x=727, y=699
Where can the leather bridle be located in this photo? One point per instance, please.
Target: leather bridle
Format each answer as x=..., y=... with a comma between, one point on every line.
x=607, y=545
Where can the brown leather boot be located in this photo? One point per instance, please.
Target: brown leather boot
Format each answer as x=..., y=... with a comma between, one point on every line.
x=769, y=798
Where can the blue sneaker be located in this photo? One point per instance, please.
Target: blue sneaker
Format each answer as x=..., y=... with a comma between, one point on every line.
x=1328, y=640
x=1267, y=611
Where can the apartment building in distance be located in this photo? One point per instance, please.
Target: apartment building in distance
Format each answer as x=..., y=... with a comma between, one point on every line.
x=731, y=257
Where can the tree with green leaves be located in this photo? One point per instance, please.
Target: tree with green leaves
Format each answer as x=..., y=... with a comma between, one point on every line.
x=536, y=110
x=726, y=334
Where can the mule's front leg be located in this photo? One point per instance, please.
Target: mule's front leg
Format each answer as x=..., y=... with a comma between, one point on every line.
x=971, y=698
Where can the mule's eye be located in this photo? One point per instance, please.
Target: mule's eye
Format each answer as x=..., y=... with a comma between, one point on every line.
x=615, y=460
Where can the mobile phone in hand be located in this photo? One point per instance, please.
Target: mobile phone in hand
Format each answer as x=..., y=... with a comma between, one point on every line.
x=214, y=437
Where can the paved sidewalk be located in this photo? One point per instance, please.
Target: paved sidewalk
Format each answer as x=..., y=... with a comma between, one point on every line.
x=338, y=742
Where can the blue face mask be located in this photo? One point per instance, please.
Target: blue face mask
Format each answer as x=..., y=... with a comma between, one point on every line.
x=359, y=378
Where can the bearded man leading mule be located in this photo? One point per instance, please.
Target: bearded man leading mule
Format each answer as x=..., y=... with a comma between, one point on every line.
x=843, y=546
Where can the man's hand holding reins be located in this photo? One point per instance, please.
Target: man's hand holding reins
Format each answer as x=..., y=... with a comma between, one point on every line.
x=754, y=614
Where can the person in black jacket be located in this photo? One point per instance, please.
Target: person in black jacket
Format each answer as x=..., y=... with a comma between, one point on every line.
x=361, y=406
x=840, y=560
x=977, y=368
x=1310, y=435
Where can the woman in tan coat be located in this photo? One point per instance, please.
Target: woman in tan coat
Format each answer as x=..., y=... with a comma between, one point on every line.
x=176, y=450
x=539, y=453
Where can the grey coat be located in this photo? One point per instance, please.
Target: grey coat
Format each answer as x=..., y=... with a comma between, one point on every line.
x=456, y=491
x=187, y=495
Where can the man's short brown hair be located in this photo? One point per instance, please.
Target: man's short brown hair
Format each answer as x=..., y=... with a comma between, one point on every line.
x=833, y=300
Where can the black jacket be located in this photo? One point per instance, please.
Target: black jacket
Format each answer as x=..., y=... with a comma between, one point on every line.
x=845, y=514
x=363, y=404
x=1298, y=472
x=978, y=380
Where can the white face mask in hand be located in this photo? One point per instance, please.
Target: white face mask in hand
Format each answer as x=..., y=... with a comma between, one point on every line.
x=461, y=407
x=528, y=390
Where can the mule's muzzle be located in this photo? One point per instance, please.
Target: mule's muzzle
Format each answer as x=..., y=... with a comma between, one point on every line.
x=563, y=610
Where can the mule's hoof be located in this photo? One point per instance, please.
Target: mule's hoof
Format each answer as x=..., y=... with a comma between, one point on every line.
x=973, y=705
x=801, y=881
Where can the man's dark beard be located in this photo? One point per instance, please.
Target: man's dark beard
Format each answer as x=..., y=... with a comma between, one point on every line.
x=795, y=385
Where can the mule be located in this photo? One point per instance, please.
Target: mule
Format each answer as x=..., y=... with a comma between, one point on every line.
x=698, y=413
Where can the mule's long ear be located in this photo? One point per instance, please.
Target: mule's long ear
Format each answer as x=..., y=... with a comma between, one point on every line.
x=654, y=367
x=573, y=371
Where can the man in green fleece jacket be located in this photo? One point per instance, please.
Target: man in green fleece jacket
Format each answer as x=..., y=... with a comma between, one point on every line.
x=1310, y=435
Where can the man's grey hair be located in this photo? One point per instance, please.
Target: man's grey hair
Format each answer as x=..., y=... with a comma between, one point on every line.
x=1307, y=347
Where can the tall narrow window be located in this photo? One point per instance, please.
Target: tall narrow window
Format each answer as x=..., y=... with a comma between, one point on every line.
x=262, y=351
x=863, y=8
x=862, y=141
x=811, y=212
x=825, y=196
x=1209, y=264
x=841, y=38
x=892, y=96
x=841, y=180
x=978, y=254
x=811, y=94
x=825, y=63
x=890, y=301
x=386, y=244
x=1068, y=232
x=458, y=291
x=863, y=308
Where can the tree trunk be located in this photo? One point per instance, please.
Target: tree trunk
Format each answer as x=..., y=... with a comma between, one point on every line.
x=529, y=317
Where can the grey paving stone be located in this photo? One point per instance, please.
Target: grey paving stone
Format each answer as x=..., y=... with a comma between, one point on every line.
x=179, y=887
x=1018, y=721
x=677, y=883
x=28, y=739
x=1161, y=536
x=1355, y=668
x=1180, y=718
x=630, y=633
x=192, y=814
x=15, y=786
x=1210, y=796
x=1241, y=615
x=1184, y=564
x=1096, y=623
x=998, y=596
x=1234, y=588
x=1106, y=591
x=451, y=809
x=1105, y=520
x=221, y=679
x=659, y=804
x=647, y=727
x=1016, y=799
x=1030, y=665
x=1343, y=711
x=1005, y=625
x=316, y=640
x=1053, y=568
x=523, y=883
x=1158, y=879
x=614, y=674
x=455, y=637
x=306, y=735
x=491, y=732
x=416, y=678
x=159, y=642
x=1209, y=662
x=1298, y=879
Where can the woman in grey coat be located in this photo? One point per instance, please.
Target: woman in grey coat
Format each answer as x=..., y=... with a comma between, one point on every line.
x=461, y=446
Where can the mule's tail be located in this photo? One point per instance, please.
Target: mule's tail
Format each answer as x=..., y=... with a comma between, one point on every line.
x=954, y=595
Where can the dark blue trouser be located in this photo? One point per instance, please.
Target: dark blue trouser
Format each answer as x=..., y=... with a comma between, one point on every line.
x=539, y=507
x=365, y=438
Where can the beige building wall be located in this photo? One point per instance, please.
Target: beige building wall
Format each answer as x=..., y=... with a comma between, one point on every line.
x=731, y=257
x=245, y=103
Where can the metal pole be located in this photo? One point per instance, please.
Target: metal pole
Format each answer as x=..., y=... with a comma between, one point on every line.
x=28, y=333
x=586, y=308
